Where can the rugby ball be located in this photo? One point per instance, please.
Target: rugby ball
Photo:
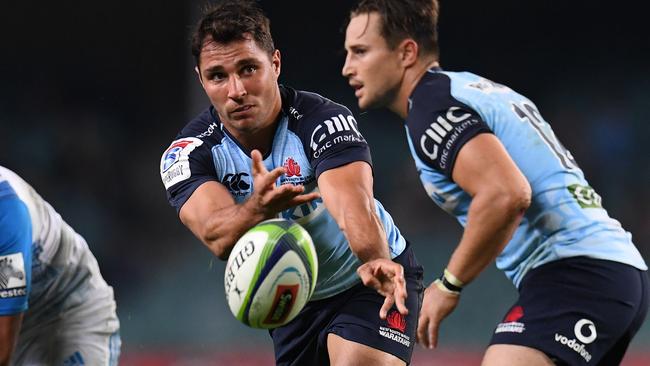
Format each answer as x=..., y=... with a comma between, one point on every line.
x=271, y=273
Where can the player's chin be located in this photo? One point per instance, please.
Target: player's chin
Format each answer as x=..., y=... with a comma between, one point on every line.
x=363, y=102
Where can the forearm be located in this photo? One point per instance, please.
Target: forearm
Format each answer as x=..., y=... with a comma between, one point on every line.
x=347, y=193
x=224, y=227
x=363, y=230
x=492, y=219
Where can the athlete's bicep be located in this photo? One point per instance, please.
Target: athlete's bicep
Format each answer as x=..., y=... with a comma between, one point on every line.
x=483, y=163
x=198, y=210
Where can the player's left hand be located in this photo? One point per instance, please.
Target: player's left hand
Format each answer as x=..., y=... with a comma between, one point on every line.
x=436, y=306
x=387, y=277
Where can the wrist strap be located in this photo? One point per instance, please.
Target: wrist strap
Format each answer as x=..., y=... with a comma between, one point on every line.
x=449, y=283
x=444, y=288
x=453, y=279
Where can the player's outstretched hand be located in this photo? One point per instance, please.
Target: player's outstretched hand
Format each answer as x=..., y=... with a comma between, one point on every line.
x=387, y=277
x=269, y=198
x=436, y=306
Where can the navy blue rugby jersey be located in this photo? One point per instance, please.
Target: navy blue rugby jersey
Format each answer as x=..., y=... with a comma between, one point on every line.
x=566, y=217
x=314, y=134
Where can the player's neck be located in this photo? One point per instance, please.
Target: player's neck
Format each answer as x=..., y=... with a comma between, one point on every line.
x=410, y=80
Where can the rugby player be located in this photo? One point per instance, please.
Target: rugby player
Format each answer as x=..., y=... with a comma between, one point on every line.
x=264, y=150
x=486, y=155
x=55, y=307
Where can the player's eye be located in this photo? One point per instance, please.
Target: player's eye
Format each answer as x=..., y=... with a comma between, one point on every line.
x=249, y=69
x=358, y=51
x=217, y=76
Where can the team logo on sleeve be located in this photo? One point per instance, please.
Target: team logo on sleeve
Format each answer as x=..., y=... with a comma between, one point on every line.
x=13, y=281
x=333, y=131
x=175, y=164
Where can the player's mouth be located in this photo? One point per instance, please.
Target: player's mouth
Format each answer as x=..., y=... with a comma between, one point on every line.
x=241, y=111
x=357, y=89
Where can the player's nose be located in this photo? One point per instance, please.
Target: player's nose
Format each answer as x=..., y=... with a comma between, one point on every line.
x=236, y=87
x=346, y=71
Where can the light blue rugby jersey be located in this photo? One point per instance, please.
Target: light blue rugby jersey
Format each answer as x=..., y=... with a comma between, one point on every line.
x=313, y=135
x=565, y=218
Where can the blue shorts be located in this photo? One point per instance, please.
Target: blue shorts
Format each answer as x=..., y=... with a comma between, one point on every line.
x=354, y=316
x=578, y=311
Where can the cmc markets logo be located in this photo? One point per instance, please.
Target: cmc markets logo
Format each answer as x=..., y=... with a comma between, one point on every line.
x=346, y=127
x=237, y=183
x=438, y=130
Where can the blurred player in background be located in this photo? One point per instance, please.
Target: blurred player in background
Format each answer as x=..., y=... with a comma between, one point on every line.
x=252, y=154
x=486, y=155
x=55, y=307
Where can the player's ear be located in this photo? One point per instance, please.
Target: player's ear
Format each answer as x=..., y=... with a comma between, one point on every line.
x=408, y=51
x=198, y=73
x=275, y=60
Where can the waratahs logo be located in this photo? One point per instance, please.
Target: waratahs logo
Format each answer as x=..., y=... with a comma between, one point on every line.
x=396, y=328
x=291, y=168
x=173, y=153
x=514, y=315
x=396, y=321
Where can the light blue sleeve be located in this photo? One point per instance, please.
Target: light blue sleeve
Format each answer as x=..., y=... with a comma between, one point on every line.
x=15, y=254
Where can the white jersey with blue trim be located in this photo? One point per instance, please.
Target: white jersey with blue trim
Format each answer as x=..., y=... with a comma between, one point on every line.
x=60, y=267
x=52, y=276
x=313, y=135
x=566, y=217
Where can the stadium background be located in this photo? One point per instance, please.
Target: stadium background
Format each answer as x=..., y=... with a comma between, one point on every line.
x=91, y=94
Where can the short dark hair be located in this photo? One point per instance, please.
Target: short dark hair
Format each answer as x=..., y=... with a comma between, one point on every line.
x=401, y=19
x=230, y=21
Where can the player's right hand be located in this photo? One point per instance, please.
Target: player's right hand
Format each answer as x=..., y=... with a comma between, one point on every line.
x=387, y=277
x=270, y=199
x=436, y=305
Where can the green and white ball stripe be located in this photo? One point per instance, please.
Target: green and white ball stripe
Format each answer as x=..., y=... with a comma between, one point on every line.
x=271, y=273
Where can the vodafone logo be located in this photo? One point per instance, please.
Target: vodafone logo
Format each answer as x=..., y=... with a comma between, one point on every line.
x=579, y=331
x=579, y=344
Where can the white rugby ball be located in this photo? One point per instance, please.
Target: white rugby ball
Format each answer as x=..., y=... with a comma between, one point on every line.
x=271, y=273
